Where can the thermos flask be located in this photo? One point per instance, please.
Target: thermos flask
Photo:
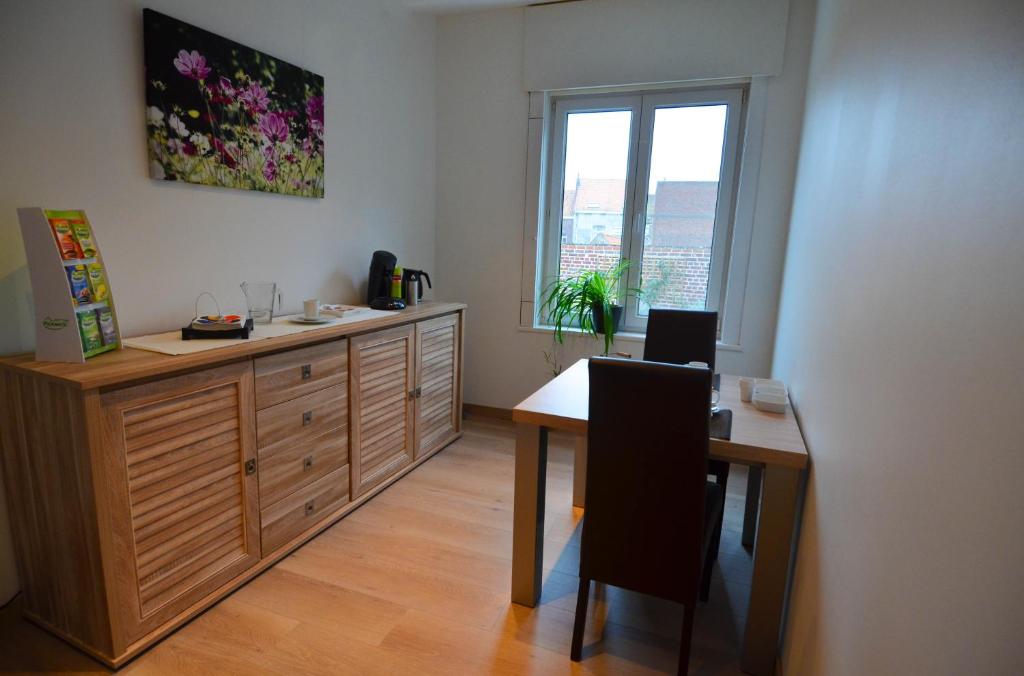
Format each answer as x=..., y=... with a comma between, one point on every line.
x=412, y=285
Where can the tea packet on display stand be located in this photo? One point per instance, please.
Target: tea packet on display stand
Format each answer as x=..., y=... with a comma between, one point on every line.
x=83, y=236
x=90, y=330
x=79, y=281
x=66, y=243
x=106, y=321
x=98, y=283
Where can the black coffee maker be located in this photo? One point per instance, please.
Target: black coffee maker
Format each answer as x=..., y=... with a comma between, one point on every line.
x=378, y=286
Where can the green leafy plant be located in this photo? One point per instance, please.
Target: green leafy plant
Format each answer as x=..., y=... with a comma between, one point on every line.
x=551, y=358
x=656, y=284
x=572, y=302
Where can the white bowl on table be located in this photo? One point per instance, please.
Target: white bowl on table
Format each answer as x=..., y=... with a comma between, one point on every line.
x=770, y=395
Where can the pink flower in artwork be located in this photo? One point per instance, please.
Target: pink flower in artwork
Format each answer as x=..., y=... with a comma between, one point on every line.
x=222, y=91
x=192, y=64
x=315, y=109
x=270, y=171
x=308, y=147
x=315, y=115
x=228, y=154
x=274, y=127
x=255, y=98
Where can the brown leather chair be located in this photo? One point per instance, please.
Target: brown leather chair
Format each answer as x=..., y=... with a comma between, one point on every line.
x=679, y=337
x=650, y=511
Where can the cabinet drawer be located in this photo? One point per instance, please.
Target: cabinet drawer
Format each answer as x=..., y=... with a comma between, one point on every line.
x=292, y=374
x=303, y=509
x=284, y=468
x=302, y=419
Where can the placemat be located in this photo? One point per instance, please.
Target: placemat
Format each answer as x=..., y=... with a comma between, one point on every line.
x=721, y=424
x=171, y=342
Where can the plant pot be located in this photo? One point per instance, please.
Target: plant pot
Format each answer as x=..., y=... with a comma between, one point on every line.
x=598, y=314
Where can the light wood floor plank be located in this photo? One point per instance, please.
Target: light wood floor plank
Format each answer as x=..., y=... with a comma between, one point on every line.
x=309, y=601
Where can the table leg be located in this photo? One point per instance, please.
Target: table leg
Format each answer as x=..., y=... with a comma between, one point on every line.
x=528, y=514
x=750, y=507
x=579, y=471
x=771, y=570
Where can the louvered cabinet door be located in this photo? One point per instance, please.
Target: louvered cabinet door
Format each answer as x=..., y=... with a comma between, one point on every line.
x=381, y=370
x=437, y=388
x=189, y=495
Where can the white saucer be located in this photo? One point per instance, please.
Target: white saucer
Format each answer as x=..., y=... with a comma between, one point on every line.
x=299, y=319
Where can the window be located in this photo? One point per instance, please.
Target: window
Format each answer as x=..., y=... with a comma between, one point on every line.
x=649, y=178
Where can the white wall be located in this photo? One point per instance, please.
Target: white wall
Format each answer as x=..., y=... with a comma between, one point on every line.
x=601, y=42
x=73, y=136
x=482, y=110
x=901, y=334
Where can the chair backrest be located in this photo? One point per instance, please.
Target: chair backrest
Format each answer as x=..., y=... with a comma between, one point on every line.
x=681, y=336
x=646, y=475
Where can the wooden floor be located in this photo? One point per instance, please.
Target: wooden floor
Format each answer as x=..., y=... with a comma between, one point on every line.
x=417, y=582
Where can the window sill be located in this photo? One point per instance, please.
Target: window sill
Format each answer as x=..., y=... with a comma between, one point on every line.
x=625, y=336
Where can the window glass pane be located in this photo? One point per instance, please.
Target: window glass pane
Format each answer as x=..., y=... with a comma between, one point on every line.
x=682, y=194
x=594, y=192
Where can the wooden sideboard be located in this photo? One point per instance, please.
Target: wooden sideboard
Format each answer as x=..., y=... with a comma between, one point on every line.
x=142, y=488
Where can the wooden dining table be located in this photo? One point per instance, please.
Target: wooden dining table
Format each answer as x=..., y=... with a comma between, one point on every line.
x=771, y=441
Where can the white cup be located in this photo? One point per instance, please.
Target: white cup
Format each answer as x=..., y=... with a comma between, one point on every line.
x=311, y=308
x=747, y=388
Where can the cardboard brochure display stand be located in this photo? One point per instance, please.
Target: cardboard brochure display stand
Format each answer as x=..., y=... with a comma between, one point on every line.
x=74, y=307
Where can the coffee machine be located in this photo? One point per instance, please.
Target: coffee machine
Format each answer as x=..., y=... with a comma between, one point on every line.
x=378, y=286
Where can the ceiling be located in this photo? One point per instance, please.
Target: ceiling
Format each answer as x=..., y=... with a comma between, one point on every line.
x=452, y=6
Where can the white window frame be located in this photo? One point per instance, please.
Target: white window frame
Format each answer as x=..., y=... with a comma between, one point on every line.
x=643, y=106
x=538, y=188
x=734, y=98
x=562, y=108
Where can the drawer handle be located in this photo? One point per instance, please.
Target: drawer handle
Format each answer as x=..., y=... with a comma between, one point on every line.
x=419, y=392
x=307, y=463
x=307, y=418
x=310, y=507
x=307, y=371
x=250, y=467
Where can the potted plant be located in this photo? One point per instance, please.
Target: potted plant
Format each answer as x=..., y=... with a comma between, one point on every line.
x=589, y=301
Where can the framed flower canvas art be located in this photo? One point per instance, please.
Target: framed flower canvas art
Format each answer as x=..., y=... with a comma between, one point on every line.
x=222, y=114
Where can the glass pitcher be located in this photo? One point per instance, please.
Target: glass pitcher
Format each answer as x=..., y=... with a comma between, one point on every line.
x=260, y=298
